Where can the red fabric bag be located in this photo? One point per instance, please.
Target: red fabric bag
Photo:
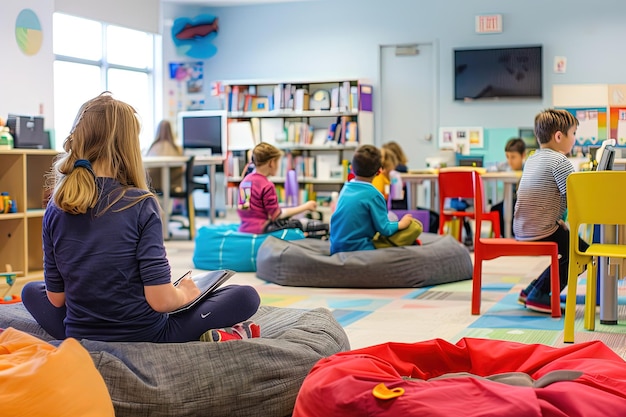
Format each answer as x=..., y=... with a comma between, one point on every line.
x=345, y=383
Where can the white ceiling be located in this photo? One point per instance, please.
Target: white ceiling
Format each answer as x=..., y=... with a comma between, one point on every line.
x=222, y=3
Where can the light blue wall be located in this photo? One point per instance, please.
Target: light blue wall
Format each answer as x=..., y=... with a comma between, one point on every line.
x=340, y=38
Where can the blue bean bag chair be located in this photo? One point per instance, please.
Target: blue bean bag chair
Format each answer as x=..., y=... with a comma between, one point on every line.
x=223, y=247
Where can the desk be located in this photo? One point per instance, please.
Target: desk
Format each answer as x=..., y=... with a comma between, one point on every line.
x=509, y=178
x=416, y=177
x=167, y=162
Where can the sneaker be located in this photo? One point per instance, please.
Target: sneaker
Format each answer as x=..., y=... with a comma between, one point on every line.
x=539, y=301
x=245, y=330
x=523, y=294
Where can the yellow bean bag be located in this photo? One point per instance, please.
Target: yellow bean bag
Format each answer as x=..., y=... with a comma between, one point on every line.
x=39, y=379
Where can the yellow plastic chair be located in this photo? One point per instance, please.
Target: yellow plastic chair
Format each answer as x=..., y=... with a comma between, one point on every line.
x=592, y=198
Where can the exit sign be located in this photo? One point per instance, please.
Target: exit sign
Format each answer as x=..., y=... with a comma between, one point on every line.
x=489, y=23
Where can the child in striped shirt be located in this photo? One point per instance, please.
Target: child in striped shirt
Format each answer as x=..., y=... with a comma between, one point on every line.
x=541, y=200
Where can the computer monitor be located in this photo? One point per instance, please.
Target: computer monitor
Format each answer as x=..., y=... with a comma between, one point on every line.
x=470, y=161
x=203, y=132
x=607, y=158
x=27, y=132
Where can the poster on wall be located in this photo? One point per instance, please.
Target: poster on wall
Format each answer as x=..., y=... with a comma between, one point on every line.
x=446, y=135
x=186, y=86
x=28, y=32
x=592, y=127
x=461, y=139
x=618, y=124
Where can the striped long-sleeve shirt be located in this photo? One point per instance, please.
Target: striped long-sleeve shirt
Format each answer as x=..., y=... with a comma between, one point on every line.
x=541, y=195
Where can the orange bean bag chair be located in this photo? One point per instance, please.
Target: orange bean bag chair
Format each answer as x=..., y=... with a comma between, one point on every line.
x=475, y=377
x=39, y=379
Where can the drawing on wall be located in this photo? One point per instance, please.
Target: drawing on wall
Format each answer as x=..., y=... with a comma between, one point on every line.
x=461, y=139
x=194, y=37
x=446, y=137
x=28, y=33
x=189, y=73
x=618, y=125
x=592, y=127
x=186, y=86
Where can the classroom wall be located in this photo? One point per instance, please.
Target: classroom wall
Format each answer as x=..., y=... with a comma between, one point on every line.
x=340, y=38
x=26, y=81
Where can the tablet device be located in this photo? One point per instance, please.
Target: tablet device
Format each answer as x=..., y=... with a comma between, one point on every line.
x=207, y=282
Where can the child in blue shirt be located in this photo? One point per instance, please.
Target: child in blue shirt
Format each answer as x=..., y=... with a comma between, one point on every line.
x=361, y=209
x=106, y=274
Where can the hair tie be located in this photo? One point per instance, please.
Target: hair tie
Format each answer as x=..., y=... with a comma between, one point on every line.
x=84, y=163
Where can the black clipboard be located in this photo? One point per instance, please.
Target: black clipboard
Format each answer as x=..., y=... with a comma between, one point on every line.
x=207, y=282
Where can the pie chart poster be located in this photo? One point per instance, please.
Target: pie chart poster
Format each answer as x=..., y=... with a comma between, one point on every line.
x=28, y=33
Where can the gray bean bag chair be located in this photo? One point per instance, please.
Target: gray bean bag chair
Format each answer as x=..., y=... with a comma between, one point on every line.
x=236, y=378
x=308, y=263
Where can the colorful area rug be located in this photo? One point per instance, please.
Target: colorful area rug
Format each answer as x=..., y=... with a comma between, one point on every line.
x=372, y=316
x=507, y=321
x=362, y=312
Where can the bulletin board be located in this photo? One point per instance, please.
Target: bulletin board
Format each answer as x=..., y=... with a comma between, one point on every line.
x=618, y=124
x=461, y=139
x=592, y=128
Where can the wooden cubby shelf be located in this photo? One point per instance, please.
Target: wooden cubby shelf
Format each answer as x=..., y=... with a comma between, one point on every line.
x=22, y=175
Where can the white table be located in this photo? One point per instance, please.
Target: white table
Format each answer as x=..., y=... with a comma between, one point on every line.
x=508, y=178
x=167, y=162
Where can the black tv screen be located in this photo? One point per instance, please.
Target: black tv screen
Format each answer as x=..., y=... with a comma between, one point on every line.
x=514, y=72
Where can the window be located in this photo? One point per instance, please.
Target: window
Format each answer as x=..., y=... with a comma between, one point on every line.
x=92, y=57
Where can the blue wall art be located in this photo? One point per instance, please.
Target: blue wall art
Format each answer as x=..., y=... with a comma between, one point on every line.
x=194, y=37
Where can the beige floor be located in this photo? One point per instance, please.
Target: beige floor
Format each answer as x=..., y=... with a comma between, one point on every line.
x=394, y=322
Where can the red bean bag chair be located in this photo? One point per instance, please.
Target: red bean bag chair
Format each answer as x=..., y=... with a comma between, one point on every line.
x=475, y=377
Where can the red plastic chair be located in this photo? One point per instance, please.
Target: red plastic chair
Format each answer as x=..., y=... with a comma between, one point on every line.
x=455, y=183
x=490, y=248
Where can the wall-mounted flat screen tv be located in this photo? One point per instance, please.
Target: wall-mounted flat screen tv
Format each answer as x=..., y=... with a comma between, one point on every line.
x=492, y=73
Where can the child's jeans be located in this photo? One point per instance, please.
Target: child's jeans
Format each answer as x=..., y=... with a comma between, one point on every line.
x=561, y=236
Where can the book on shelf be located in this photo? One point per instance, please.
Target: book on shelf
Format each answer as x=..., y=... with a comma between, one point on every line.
x=344, y=96
x=240, y=137
x=260, y=104
x=324, y=164
x=272, y=130
x=365, y=97
x=354, y=98
x=301, y=101
x=319, y=136
x=278, y=97
x=334, y=99
x=255, y=122
x=352, y=133
x=247, y=104
x=330, y=136
x=233, y=98
x=299, y=133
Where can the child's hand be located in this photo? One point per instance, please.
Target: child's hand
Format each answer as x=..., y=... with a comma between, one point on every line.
x=311, y=205
x=405, y=221
x=189, y=288
x=562, y=224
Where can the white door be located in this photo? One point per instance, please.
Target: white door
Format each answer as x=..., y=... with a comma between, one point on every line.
x=408, y=100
